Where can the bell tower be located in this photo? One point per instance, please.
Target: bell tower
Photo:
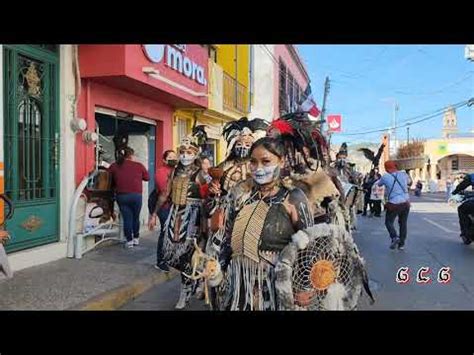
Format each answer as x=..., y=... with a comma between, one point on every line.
x=450, y=122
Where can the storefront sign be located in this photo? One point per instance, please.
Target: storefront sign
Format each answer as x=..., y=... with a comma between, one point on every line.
x=334, y=123
x=175, y=58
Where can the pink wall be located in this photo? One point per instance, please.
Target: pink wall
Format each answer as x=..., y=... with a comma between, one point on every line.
x=282, y=52
x=112, y=77
x=95, y=94
x=101, y=60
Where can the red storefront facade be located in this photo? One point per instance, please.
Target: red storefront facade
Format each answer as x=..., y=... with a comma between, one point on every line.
x=149, y=82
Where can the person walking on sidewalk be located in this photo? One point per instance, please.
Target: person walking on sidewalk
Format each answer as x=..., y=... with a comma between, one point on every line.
x=161, y=204
x=396, y=184
x=127, y=177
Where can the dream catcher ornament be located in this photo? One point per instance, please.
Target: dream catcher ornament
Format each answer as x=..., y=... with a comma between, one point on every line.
x=321, y=269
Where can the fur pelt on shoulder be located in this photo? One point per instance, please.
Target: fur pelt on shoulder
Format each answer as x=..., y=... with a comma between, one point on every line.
x=316, y=185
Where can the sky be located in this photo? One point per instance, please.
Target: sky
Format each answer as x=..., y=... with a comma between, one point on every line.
x=367, y=79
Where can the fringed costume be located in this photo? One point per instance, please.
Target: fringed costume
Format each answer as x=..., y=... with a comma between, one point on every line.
x=239, y=136
x=257, y=230
x=185, y=224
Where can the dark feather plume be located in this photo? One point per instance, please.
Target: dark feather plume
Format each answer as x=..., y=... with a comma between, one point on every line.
x=368, y=154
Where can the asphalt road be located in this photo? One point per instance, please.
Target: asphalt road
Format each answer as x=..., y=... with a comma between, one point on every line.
x=433, y=242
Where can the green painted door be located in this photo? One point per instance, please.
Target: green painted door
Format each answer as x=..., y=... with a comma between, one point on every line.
x=31, y=104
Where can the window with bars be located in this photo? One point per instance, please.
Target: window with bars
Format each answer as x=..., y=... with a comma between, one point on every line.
x=283, y=103
x=182, y=129
x=291, y=85
x=298, y=95
x=30, y=128
x=466, y=163
x=455, y=164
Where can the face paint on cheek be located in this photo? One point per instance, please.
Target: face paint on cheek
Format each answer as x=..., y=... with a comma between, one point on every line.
x=266, y=175
x=186, y=159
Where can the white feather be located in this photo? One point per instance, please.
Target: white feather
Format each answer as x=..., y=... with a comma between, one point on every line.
x=334, y=297
x=300, y=239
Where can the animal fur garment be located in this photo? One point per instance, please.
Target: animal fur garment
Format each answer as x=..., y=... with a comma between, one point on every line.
x=317, y=185
x=334, y=300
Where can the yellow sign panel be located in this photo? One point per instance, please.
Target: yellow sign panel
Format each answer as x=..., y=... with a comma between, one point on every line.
x=442, y=148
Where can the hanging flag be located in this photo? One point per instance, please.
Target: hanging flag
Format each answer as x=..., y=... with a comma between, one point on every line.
x=334, y=123
x=308, y=104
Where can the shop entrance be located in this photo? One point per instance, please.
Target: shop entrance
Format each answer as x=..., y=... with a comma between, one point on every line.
x=141, y=138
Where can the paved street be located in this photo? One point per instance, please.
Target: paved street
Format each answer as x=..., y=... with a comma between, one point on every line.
x=433, y=241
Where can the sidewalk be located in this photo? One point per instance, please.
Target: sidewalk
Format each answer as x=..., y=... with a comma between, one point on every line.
x=104, y=279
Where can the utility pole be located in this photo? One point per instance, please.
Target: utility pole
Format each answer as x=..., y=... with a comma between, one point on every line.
x=408, y=134
x=395, y=119
x=393, y=128
x=327, y=86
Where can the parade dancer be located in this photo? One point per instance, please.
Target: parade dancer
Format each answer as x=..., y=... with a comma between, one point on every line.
x=184, y=225
x=239, y=136
x=262, y=217
x=307, y=168
x=305, y=162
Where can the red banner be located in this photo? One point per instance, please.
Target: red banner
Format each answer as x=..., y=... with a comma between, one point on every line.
x=334, y=123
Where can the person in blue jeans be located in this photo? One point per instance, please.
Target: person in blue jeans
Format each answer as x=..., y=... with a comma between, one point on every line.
x=398, y=203
x=128, y=176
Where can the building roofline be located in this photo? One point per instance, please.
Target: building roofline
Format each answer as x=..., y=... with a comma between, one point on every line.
x=298, y=60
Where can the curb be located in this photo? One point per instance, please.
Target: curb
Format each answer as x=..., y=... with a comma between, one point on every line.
x=116, y=298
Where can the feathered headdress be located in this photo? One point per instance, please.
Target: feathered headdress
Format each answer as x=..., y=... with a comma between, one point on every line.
x=199, y=134
x=298, y=131
x=196, y=139
x=343, y=149
x=234, y=130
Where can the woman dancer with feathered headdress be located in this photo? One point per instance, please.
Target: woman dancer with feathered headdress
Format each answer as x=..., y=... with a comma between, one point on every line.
x=239, y=135
x=184, y=228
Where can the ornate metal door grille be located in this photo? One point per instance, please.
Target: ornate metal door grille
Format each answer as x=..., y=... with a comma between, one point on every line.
x=31, y=142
